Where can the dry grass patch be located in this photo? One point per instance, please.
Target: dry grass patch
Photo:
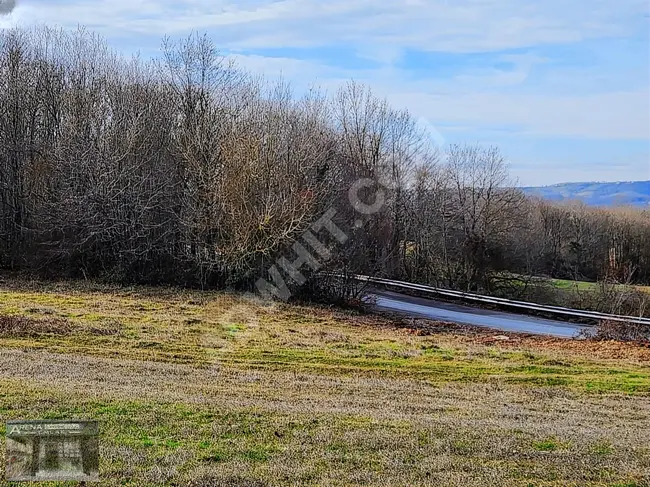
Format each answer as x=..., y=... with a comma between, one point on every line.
x=27, y=327
x=16, y=326
x=211, y=480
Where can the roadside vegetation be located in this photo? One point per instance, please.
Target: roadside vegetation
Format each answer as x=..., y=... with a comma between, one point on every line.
x=608, y=296
x=199, y=388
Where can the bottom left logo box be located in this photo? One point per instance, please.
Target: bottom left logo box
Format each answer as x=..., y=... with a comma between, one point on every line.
x=52, y=450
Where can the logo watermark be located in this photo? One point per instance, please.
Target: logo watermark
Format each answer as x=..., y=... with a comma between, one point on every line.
x=52, y=451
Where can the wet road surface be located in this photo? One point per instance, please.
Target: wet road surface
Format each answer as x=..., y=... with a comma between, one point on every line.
x=454, y=313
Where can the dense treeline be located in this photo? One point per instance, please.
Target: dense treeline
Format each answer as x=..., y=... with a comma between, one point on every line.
x=186, y=169
x=478, y=243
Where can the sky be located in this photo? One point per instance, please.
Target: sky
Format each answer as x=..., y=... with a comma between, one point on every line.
x=562, y=87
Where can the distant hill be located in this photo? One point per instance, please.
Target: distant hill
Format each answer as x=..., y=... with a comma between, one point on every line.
x=636, y=193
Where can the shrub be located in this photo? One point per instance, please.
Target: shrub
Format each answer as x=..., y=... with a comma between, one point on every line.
x=620, y=331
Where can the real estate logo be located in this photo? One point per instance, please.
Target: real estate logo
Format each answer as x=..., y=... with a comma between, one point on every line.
x=52, y=450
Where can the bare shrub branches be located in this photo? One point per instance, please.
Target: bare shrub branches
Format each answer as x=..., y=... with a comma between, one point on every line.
x=625, y=332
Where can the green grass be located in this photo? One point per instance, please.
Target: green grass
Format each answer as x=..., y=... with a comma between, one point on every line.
x=573, y=285
x=200, y=388
x=549, y=445
x=567, y=284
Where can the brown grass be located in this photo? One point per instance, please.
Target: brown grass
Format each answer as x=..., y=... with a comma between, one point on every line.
x=12, y=326
x=26, y=327
x=210, y=480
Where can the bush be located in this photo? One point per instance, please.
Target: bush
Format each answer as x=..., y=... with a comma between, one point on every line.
x=620, y=331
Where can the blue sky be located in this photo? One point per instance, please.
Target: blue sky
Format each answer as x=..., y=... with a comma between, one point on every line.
x=563, y=87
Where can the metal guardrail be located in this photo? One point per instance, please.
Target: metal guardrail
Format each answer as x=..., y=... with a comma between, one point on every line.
x=501, y=301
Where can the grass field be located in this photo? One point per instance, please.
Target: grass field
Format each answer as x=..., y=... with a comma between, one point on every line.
x=209, y=389
x=587, y=286
x=574, y=285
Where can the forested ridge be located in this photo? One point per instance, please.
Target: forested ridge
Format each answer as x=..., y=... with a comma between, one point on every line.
x=185, y=169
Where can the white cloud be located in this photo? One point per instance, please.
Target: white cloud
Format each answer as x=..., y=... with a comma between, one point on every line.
x=481, y=101
x=477, y=98
x=458, y=26
x=296, y=71
x=607, y=116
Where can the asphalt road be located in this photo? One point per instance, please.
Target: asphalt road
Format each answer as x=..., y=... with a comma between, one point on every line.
x=454, y=313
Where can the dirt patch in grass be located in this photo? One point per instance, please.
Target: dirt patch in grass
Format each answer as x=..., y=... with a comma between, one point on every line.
x=26, y=327
x=601, y=349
